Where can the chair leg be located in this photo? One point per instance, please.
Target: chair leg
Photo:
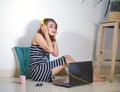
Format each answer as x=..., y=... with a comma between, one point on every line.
x=114, y=50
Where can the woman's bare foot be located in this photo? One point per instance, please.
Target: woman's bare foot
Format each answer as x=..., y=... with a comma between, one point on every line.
x=99, y=78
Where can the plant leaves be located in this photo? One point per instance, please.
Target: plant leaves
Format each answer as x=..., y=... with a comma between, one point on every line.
x=97, y=2
x=108, y=5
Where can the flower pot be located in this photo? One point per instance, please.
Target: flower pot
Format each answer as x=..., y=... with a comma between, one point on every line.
x=114, y=11
x=113, y=16
x=115, y=6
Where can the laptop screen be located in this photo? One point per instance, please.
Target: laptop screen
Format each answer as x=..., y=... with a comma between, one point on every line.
x=80, y=73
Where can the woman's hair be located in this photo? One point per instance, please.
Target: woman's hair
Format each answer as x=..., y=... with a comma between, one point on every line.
x=45, y=21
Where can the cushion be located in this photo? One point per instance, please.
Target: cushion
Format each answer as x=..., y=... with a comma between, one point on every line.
x=23, y=54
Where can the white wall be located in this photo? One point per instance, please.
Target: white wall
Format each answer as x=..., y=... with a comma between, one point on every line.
x=77, y=22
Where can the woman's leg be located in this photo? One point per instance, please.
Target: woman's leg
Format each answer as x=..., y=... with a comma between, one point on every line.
x=98, y=78
x=68, y=59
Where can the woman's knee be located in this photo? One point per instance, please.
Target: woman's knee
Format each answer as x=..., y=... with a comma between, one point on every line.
x=67, y=56
x=69, y=59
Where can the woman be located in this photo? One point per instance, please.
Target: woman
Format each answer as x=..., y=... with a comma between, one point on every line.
x=44, y=43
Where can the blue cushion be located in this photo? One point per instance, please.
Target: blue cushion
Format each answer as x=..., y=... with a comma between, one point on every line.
x=48, y=57
x=23, y=54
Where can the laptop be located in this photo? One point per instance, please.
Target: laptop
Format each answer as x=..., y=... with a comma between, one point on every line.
x=79, y=73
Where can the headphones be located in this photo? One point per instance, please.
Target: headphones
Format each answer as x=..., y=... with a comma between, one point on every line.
x=43, y=21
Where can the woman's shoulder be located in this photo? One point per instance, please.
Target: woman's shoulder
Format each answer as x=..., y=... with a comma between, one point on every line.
x=35, y=38
x=37, y=35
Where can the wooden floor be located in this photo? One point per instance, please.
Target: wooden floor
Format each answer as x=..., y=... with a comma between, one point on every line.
x=12, y=85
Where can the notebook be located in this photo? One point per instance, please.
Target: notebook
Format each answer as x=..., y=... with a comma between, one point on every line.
x=79, y=73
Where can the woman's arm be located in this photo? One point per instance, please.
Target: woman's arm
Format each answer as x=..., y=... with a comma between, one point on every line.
x=55, y=49
x=44, y=42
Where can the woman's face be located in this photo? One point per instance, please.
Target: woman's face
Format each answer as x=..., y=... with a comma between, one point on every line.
x=52, y=28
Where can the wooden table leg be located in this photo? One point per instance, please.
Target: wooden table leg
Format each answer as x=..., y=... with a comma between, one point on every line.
x=101, y=37
x=114, y=50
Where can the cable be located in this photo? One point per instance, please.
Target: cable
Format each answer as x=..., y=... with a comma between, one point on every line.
x=78, y=78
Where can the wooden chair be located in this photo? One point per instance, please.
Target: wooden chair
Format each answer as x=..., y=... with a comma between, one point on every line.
x=108, y=24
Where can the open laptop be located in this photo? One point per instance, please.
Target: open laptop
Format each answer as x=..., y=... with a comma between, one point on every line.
x=80, y=73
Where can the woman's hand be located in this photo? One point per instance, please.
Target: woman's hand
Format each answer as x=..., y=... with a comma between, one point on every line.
x=44, y=29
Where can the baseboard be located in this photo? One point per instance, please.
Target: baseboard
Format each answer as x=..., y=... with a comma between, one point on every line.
x=9, y=72
x=106, y=70
x=16, y=72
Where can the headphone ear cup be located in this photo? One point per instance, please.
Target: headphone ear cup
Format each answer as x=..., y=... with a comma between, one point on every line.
x=43, y=21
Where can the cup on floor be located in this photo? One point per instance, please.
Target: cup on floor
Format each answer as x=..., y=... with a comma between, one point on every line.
x=22, y=79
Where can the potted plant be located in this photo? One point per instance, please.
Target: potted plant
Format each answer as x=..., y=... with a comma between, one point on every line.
x=114, y=13
x=114, y=6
